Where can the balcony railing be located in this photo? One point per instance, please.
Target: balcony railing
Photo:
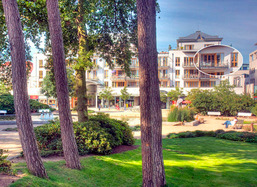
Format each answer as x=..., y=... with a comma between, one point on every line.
x=212, y=65
x=123, y=77
x=134, y=65
x=189, y=65
x=208, y=77
x=133, y=77
x=167, y=76
x=161, y=66
x=192, y=76
x=119, y=77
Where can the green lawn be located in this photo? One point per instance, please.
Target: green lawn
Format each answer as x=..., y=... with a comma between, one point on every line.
x=204, y=161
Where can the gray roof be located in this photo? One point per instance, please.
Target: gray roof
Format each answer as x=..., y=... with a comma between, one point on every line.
x=199, y=36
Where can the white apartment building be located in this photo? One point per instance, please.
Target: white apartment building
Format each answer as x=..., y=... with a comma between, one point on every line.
x=199, y=61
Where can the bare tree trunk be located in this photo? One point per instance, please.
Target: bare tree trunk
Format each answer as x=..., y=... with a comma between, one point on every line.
x=81, y=95
x=151, y=118
x=81, y=91
x=68, y=139
x=19, y=81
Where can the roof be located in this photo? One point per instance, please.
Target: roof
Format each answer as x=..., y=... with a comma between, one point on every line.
x=199, y=36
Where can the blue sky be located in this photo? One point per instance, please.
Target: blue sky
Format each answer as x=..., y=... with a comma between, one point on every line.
x=233, y=20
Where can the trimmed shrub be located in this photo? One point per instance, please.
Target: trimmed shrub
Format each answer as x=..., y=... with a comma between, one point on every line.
x=99, y=135
x=229, y=135
x=181, y=114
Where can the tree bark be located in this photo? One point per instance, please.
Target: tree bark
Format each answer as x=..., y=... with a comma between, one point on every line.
x=81, y=90
x=68, y=139
x=19, y=81
x=150, y=105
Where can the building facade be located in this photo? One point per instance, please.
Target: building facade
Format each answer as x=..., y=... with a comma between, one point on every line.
x=199, y=61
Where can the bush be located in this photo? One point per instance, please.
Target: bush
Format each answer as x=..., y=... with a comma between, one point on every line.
x=181, y=114
x=35, y=105
x=99, y=135
x=229, y=135
x=7, y=103
x=5, y=165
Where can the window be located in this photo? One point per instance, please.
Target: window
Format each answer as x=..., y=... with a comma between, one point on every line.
x=234, y=59
x=95, y=61
x=177, y=83
x=164, y=84
x=95, y=74
x=105, y=74
x=106, y=64
x=188, y=61
x=118, y=84
x=106, y=84
x=177, y=74
x=41, y=74
x=191, y=84
x=133, y=84
x=159, y=62
x=165, y=61
x=41, y=65
x=189, y=47
x=40, y=84
x=177, y=61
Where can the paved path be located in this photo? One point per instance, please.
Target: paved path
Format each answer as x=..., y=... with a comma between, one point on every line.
x=10, y=140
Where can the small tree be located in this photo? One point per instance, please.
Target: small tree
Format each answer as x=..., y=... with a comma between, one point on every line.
x=124, y=95
x=106, y=94
x=49, y=86
x=175, y=94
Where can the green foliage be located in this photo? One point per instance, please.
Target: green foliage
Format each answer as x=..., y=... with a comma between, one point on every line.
x=106, y=94
x=223, y=99
x=175, y=94
x=135, y=128
x=254, y=110
x=221, y=134
x=35, y=105
x=163, y=97
x=124, y=94
x=5, y=165
x=7, y=103
x=99, y=135
x=49, y=87
x=181, y=114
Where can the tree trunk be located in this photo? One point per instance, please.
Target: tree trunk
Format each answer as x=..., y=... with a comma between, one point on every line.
x=81, y=90
x=150, y=105
x=68, y=139
x=19, y=81
x=81, y=95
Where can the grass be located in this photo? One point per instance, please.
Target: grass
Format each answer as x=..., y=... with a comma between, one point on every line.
x=7, y=118
x=204, y=161
x=11, y=129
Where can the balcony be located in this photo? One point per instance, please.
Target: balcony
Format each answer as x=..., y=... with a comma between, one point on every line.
x=164, y=77
x=134, y=65
x=207, y=77
x=163, y=66
x=188, y=65
x=212, y=65
x=191, y=77
x=119, y=77
x=133, y=77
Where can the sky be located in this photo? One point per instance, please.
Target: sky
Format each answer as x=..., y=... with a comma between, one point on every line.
x=233, y=20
